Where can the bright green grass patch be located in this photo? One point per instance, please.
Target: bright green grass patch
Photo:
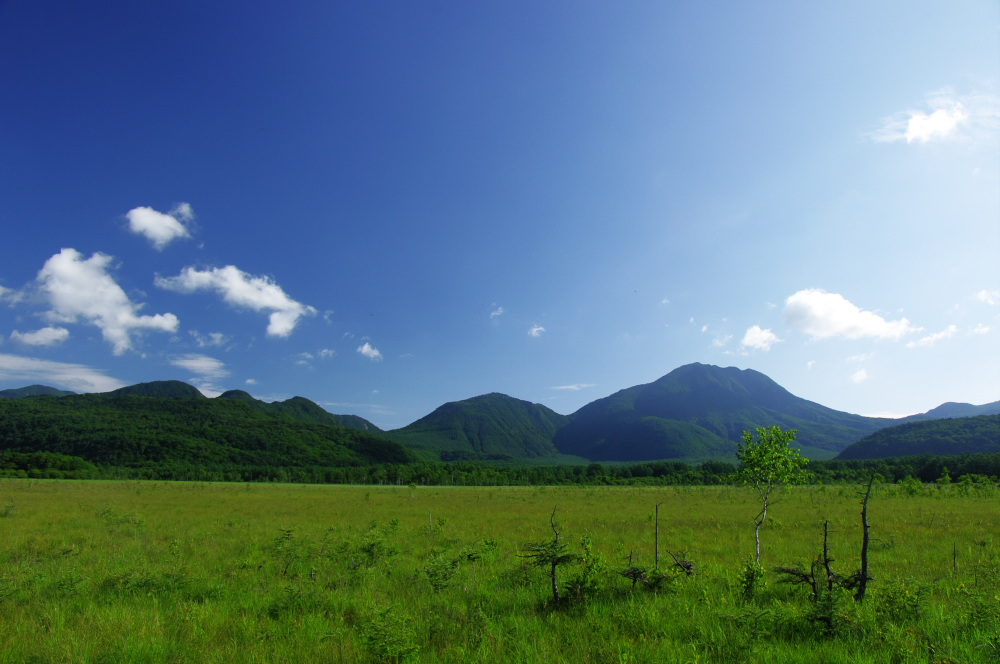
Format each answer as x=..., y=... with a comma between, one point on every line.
x=182, y=572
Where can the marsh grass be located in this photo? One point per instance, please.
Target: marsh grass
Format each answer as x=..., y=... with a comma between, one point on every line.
x=190, y=572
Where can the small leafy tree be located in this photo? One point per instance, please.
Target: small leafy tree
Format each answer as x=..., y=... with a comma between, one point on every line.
x=766, y=463
x=551, y=555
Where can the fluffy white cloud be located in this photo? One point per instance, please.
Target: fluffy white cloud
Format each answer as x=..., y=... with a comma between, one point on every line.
x=759, y=339
x=536, y=330
x=74, y=377
x=159, y=228
x=859, y=376
x=944, y=115
x=47, y=336
x=822, y=315
x=78, y=288
x=932, y=339
x=243, y=290
x=370, y=351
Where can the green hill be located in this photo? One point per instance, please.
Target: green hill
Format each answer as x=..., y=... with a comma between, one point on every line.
x=945, y=437
x=302, y=409
x=124, y=428
x=699, y=412
x=489, y=426
x=33, y=391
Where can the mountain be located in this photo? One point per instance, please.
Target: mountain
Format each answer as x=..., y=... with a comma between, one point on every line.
x=131, y=428
x=492, y=425
x=161, y=389
x=943, y=437
x=700, y=411
x=952, y=409
x=302, y=409
x=33, y=391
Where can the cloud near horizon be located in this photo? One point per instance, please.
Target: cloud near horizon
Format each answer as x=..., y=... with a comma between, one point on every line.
x=240, y=289
x=159, y=228
x=207, y=370
x=78, y=288
x=824, y=315
x=73, y=377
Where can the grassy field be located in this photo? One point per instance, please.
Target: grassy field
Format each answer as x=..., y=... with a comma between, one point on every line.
x=183, y=572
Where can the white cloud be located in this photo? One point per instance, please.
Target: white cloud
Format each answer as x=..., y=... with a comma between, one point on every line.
x=759, y=339
x=74, y=377
x=943, y=115
x=536, y=330
x=721, y=341
x=159, y=228
x=250, y=381
x=576, y=387
x=932, y=339
x=78, y=288
x=326, y=353
x=990, y=297
x=47, y=336
x=822, y=315
x=981, y=329
x=859, y=376
x=210, y=339
x=497, y=312
x=207, y=370
x=240, y=289
x=370, y=351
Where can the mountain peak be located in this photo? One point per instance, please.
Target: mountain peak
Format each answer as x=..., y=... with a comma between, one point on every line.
x=168, y=389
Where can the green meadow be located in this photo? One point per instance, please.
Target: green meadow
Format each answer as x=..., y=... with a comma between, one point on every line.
x=135, y=571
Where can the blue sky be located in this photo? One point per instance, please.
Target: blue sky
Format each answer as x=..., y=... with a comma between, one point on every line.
x=386, y=206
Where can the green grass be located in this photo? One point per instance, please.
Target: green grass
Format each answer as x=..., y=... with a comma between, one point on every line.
x=186, y=572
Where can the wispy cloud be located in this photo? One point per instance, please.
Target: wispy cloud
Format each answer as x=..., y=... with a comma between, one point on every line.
x=47, y=336
x=370, y=351
x=823, y=315
x=240, y=289
x=74, y=377
x=575, y=387
x=536, y=330
x=859, y=376
x=990, y=297
x=931, y=339
x=160, y=228
x=78, y=288
x=208, y=371
x=759, y=339
x=943, y=115
x=496, y=312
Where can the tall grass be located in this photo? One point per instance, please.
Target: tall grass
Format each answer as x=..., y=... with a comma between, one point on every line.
x=187, y=572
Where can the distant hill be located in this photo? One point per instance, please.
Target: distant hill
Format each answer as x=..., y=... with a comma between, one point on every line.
x=161, y=389
x=129, y=427
x=952, y=409
x=700, y=411
x=33, y=391
x=943, y=437
x=302, y=409
x=492, y=425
